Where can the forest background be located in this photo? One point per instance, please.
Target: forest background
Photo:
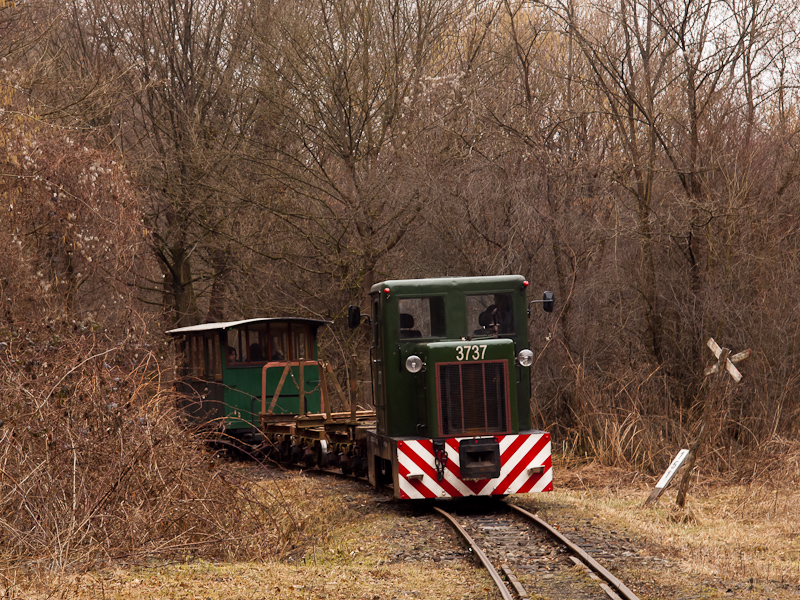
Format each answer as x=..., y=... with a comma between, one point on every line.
x=179, y=161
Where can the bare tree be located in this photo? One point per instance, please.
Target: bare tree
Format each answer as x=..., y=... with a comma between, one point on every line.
x=180, y=112
x=346, y=80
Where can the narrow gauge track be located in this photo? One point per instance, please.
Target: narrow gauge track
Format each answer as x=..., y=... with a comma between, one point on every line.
x=533, y=556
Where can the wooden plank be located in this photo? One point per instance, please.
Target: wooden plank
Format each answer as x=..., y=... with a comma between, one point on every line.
x=734, y=372
x=277, y=390
x=302, y=385
x=363, y=416
x=740, y=356
x=336, y=383
x=667, y=476
x=323, y=391
x=512, y=579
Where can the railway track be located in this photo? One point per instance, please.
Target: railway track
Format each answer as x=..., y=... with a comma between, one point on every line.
x=528, y=558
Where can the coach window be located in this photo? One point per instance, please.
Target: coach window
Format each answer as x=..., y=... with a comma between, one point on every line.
x=182, y=358
x=257, y=342
x=234, y=353
x=299, y=341
x=212, y=357
x=422, y=317
x=197, y=365
x=279, y=341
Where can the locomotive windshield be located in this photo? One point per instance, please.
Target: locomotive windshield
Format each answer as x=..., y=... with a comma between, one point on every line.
x=422, y=317
x=490, y=314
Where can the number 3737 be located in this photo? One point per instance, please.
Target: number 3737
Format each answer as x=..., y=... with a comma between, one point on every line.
x=471, y=352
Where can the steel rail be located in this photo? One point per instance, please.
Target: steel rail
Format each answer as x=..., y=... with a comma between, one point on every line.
x=593, y=564
x=479, y=553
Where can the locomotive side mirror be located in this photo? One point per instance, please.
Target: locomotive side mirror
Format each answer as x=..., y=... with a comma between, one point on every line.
x=353, y=316
x=547, y=302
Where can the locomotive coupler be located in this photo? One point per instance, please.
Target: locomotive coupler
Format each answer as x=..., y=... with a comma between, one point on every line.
x=440, y=458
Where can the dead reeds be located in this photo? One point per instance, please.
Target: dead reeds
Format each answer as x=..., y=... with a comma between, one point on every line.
x=632, y=422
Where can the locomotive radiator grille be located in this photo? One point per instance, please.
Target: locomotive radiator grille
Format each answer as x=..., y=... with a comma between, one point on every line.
x=473, y=398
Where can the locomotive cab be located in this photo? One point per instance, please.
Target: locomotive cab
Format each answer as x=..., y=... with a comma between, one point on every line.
x=451, y=388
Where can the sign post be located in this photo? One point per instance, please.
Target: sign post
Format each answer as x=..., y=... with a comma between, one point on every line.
x=725, y=362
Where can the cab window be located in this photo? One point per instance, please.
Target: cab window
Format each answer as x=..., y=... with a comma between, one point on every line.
x=490, y=314
x=422, y=317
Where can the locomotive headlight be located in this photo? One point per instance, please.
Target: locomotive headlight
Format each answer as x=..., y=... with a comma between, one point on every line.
x=414, y=364
x=525, y=358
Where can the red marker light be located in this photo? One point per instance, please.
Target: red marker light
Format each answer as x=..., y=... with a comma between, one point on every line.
x=525, y=283
x=386, y=290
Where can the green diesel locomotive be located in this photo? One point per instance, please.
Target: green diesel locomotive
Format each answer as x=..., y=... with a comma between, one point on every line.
x=451, y=381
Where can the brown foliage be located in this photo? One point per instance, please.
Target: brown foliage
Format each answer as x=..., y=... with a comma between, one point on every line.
x=70, y=221
x=639, y=162
x=96, y=465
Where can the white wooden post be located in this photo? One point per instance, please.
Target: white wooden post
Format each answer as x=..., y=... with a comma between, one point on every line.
x=667, y=476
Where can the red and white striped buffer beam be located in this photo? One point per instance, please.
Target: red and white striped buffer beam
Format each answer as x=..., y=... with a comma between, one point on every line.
x=525, y=467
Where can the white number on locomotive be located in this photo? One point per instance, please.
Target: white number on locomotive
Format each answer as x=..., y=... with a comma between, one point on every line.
x=471, y=352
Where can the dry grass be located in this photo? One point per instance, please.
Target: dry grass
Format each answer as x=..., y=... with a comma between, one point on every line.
x=347, y=550
x=629, y=419
x=246, y=581
x=734, y=538
x=738, y=541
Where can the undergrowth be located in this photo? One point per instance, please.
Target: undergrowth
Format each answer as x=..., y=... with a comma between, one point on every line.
x=631, y=421
x=97, y=467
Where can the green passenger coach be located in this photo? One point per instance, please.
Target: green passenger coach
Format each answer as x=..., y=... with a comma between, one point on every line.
x=226, y=369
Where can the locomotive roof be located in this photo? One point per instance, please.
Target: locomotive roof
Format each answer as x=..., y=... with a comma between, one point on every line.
x=231, y=324
x=442, y=283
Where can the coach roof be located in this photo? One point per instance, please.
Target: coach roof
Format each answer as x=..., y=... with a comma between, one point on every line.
x=232, y=324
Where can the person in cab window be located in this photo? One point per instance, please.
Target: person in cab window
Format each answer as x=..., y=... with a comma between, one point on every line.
x=504, y=315
x=498, y=317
